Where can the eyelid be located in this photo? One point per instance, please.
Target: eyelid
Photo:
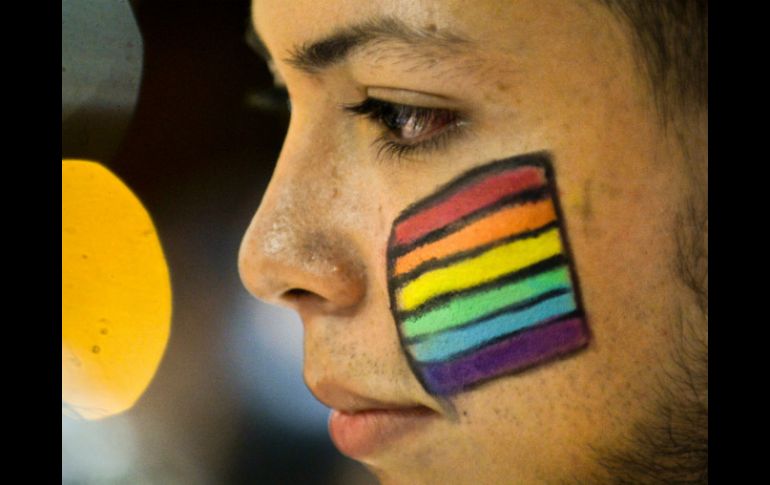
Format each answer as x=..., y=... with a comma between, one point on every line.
x=415, y=99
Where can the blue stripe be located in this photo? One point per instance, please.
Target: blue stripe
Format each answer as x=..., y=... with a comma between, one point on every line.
x=444, y=345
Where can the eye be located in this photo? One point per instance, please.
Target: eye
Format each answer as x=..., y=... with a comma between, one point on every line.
x=408, y=128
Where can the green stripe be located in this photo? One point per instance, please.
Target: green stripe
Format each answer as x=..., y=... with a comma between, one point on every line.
x=464, y=309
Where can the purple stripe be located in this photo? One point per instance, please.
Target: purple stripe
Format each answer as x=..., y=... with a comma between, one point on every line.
x=521, y=350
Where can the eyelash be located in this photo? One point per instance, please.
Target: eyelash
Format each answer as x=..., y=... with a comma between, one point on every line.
x=393, y=118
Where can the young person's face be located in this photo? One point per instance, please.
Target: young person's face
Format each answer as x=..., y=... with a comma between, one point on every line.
x=495, y=80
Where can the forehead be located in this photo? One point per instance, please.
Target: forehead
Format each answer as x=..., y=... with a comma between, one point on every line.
x=312, y=19
x=510, y=27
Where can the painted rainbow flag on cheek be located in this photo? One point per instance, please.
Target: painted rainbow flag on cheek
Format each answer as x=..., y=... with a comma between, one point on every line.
x=479, y=277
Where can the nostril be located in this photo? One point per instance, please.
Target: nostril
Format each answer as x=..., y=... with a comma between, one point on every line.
x=296, y=294
x=300, y=299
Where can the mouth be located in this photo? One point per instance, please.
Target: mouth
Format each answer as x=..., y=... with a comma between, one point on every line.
x=362, y=425
x=363, y=432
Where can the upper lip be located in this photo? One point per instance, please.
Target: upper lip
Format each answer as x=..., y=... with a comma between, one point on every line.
x=341, y=398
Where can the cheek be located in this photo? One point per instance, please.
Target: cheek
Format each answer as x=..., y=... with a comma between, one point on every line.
x=480, y=279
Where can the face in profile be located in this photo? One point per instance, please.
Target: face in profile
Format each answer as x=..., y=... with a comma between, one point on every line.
x=474, y=214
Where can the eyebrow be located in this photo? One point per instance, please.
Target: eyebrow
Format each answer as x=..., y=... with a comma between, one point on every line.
x=312, y=57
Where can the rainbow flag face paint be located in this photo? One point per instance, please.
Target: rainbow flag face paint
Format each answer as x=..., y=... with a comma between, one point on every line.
x=480, y=279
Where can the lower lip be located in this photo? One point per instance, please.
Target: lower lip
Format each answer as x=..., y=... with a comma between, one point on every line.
x=360, y=434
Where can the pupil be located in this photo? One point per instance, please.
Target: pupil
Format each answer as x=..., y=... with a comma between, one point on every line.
x=395, y=118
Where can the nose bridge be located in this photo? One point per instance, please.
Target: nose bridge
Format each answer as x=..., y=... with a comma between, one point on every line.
x=294, y=241
x=290, y=220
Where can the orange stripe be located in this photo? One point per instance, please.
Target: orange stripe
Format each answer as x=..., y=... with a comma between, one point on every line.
x=509, y=221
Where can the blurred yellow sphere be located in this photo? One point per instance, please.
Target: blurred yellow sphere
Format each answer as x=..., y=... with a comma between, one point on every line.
x=116, y=293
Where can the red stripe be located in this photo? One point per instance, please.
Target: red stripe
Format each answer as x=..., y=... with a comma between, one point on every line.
x=468, y=200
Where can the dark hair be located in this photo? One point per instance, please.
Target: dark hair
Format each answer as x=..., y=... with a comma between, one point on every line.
x=671, y=38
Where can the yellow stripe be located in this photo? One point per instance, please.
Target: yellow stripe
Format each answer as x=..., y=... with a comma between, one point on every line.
x=484, y=267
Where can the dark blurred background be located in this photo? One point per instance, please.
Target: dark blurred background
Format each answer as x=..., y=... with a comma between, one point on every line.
x=185, y=113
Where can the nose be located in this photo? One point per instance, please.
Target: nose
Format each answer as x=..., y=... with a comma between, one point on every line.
x=295, y=252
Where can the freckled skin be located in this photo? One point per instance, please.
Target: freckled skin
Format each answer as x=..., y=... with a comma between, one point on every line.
x=542, y=82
